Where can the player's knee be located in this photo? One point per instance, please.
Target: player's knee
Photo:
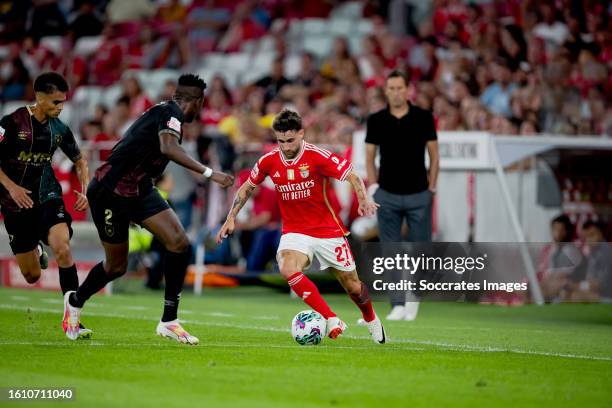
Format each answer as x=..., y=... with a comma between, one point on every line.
x=179, y=244
x=116, y=269
x=62, y=253
x=287, y=271
x=31, y=276
x=351, y=285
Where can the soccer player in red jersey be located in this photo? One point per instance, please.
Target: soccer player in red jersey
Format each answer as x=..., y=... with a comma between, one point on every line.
x=300, y=172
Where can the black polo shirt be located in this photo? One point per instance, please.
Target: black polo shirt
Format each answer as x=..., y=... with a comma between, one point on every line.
x=402, y=143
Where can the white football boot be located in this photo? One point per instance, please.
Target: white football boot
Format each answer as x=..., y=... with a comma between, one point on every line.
x=397, y=313
x=411, y=309
x=72, y=316
x=335, y=327
x=173, y=330
x=377, y=331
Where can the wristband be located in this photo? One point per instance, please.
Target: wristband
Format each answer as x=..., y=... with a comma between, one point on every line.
x=208, y=172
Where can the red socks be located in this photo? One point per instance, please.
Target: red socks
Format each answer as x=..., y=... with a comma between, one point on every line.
x=308, y=291
x=364, y=303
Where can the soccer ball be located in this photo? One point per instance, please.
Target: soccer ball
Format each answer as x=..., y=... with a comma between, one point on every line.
x=308, y=328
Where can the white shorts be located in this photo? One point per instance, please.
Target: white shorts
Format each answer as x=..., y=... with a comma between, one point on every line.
x=331, y=252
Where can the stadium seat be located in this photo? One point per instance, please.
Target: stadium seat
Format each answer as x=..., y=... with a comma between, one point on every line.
x=152, y=81
x=295, y=31
x=68, y=116
x=365, y=27
x=110, y=95
x=319, y=45
x=12, y=106
x=236, y=62
x=53, y=43
x=266, y=44
x=341, y=27
x=315, y=26
x=349, y=10
x=262, y=61
x=293, y=64
x=252, y=75
x=86, y=46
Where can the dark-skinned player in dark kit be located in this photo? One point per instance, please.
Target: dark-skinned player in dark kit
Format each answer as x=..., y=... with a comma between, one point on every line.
x=121, y=192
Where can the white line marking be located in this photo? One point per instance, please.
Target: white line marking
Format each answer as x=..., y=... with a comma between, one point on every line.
x=53, y=301
x=20, y=298
x=139, y=308
x=219, y=314
x=164, y=343
x=447, y=346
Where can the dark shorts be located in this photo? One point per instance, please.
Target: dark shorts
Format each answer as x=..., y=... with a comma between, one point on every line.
x=28, y=226
x=112, y=213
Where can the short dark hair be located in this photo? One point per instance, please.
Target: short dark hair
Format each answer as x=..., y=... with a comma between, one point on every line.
x=287, y=120
x=187, y=81
x=396, y=73
x=593, y=224
x=49, y=82
x=564, y=220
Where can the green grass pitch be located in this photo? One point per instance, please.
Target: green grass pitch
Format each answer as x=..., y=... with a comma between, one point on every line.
x=452, y=355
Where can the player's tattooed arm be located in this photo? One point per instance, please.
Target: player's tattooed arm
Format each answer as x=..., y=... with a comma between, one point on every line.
x=366, y=206
x=242, y=196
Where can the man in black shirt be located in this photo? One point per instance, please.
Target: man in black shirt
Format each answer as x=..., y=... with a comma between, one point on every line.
x=403, y=187
x=122, y=192
x=30, y=195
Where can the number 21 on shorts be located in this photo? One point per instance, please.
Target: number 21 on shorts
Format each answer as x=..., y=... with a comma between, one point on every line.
x=343, y=254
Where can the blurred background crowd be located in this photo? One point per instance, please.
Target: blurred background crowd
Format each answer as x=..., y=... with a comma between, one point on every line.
x=511, y=67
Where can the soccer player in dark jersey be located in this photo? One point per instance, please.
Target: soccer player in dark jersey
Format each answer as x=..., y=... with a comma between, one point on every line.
x=30, y=195
x=122, y=192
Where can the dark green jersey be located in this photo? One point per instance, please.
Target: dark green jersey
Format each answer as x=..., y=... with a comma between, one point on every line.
x=26, y=149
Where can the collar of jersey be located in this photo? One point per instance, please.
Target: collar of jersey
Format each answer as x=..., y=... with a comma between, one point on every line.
x=292, y=161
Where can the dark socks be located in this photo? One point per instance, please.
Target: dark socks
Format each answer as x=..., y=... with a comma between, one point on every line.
x=68, y=278
x=96, y=280
x=175, y=268
x=364, y=303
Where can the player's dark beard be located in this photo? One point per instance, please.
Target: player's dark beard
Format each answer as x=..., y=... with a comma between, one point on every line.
x=291, y=153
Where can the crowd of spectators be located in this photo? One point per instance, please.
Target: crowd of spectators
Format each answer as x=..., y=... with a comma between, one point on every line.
x=509, y=67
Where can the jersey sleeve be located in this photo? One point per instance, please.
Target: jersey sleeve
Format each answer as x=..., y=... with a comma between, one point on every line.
x=372, y=131
x=332, y=165
x=8, y=131
x=70, y=147
x=170, y=122
x=430, y=128
x=259, y=172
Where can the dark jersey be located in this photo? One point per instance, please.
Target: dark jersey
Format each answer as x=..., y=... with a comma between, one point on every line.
x=26, y=149
x=137, y=160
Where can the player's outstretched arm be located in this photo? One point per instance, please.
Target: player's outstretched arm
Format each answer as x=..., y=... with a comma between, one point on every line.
x=83, y=174
x=366, y=206
x=242, y=196
x=170, y=147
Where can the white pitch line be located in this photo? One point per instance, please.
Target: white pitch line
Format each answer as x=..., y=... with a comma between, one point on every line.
x=53, y=301
x=167, y=344
x=20, y=298
x=447, y=346
x=138, y=308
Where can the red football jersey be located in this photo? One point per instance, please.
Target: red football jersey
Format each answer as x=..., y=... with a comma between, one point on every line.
x=300, y=186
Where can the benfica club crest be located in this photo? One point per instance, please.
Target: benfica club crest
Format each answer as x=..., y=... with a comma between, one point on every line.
x=304, y=171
